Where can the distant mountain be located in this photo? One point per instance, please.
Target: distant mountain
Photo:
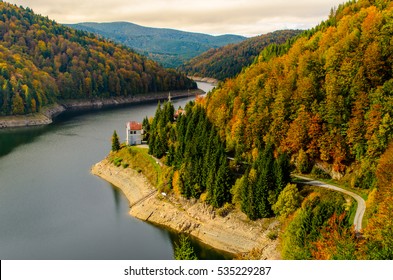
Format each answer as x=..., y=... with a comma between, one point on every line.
x=228, y=61
x=42, y=62
x=169, y=47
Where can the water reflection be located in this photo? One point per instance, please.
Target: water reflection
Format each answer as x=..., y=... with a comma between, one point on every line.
x=116, y=197
x=10, y=139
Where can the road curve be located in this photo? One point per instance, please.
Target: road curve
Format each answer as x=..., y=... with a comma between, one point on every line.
x=357, y=222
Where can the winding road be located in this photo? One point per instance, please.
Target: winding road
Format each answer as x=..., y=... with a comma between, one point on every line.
x=357, y=222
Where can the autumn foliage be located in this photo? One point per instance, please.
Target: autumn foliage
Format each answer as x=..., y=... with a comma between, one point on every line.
x=379, y=231
x=42, y=61
x=337, y=241
x=328, y=95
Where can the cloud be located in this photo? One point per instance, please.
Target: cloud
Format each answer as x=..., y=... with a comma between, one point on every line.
x=247, y=17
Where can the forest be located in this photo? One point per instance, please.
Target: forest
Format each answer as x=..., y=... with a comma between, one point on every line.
x=202, y=168
x=42, y=62
x=228, y=61
x=321, y=104
x=327, y=99
x=168, y=47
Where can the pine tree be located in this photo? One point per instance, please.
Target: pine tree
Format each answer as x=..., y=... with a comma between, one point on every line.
x=221, y=187
x=265, y=183
x=168, y=112
x=262, y=192
x=247, y=195
x=115, y=142
x=184, y=249
x=146, y=128
x=282, y=175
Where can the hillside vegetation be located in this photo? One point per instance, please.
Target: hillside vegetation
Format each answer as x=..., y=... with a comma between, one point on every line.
x=229, y=60
x=327, y=100
x=169, y=47
x=321, y=103
x=42, y=61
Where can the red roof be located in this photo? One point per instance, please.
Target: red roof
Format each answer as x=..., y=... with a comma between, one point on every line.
x=135, y=126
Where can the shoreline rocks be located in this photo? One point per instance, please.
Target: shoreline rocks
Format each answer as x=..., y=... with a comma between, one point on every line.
x=233, y=233
x=204, y=79
x=47, y=114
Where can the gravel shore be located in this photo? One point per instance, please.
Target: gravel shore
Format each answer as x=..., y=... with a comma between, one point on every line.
x=234, y=233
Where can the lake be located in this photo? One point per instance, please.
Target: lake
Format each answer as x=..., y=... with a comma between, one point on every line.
x=51, y=207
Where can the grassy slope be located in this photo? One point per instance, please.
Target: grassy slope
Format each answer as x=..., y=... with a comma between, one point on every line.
x=138, y=159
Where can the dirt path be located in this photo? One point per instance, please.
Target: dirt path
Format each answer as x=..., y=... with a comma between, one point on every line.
x=357, y=222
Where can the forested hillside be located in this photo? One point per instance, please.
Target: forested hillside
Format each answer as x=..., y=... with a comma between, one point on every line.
x=228, y=61
x=201, y=168
x=320, y=104
x=327, y=100
x=169, y=47
x=42, y=61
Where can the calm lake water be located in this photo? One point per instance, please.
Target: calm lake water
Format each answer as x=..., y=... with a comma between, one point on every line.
x=51, y=207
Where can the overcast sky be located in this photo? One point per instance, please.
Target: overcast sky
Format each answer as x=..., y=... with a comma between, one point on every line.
x=243, y=17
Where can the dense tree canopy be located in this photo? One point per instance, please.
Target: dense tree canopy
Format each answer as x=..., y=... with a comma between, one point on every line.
x=326, y=98
x=42, y=61
x=379, y=231
x=308, y=229
x=192, y=145
x=194, y=149
x=228, y=61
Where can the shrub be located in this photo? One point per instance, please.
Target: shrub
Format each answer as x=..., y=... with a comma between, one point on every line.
x=225, y=210
x=117, y=161
x=272, y=235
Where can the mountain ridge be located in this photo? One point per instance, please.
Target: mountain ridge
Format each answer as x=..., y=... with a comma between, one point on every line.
x=170, y=47
x=227, y=61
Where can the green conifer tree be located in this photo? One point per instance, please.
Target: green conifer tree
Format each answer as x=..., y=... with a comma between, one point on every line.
x=184, y=249
x=115, y=142
x=146, y=128
x=282, y=175
x=221, y=188
x=248, y=198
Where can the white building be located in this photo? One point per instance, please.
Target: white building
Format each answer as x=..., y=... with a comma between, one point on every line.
x=134, y=133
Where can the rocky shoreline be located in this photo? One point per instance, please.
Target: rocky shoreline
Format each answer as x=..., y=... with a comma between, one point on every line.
x=204, y=79
x=44, y=117
x=47, y=114
x=233, y=233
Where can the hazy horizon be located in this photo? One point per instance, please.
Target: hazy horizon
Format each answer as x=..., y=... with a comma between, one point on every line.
x=215, y=17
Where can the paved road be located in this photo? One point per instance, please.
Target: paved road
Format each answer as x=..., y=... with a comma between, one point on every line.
x=361, y=203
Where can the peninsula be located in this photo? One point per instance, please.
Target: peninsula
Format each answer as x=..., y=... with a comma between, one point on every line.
x=233, y=233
